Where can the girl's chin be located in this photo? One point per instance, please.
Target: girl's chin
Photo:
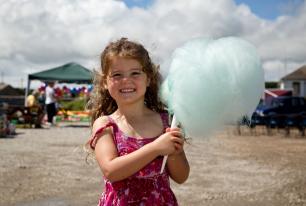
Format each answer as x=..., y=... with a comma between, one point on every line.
x=129, y=99
x=128, y=95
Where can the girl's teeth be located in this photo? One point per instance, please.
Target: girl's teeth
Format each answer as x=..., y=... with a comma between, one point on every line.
x=127, y=90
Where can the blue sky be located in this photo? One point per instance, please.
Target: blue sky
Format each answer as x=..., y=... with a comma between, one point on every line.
x=138, y=3
x=270, y=9
x=267, y=9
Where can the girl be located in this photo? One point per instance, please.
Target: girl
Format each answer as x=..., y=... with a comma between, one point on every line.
x=129, y=130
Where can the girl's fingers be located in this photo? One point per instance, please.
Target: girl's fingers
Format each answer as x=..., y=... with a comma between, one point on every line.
x=178, y=137
x=178, y=140
x=175, y=129
x=176, y=134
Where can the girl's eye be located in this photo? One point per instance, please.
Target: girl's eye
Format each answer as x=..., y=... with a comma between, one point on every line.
x=116, y=75
x=135, y=74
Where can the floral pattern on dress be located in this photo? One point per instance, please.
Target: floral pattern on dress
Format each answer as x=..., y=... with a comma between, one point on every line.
x=146, y=187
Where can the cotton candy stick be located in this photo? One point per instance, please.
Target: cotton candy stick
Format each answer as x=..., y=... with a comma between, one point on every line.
x=173, y=125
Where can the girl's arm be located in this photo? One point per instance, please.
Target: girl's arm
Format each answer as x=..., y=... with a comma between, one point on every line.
x=178, y=167
x=177, y=163
x=116, y=167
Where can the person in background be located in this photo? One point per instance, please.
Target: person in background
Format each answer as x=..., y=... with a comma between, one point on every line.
x=50, y=102
x=42, y=98
x=35, y=109
x=130, y=130
x=31, y=99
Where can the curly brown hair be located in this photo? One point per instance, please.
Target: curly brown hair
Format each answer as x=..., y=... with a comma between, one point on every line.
x=100, y=102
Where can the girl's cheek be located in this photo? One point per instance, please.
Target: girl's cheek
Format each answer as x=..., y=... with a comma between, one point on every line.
x=111, y=86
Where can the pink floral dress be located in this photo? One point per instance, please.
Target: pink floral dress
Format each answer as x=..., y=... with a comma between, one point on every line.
x=146, y=187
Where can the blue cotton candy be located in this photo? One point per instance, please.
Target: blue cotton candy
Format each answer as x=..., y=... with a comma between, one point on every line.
x=212, y=83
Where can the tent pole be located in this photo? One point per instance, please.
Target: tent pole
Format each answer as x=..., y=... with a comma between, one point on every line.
x=27, y=91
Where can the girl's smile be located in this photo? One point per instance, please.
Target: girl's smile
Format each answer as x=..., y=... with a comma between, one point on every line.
x=127, y=92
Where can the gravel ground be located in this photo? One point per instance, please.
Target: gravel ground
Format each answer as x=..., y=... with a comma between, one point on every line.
x=44, y=167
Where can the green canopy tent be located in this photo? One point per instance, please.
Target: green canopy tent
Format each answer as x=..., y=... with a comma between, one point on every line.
x=67, y=73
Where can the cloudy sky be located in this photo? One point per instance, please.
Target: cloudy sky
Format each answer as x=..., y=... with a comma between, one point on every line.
x=40, y=34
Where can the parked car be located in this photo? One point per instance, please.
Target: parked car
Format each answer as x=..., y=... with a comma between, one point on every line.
x=280, y=111
x=285, y=105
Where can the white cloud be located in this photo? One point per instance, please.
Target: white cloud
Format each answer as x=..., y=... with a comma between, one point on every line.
x=37, y=35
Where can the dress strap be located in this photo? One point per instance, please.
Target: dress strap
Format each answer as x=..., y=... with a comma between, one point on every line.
x=165, y=120
x=93, y=141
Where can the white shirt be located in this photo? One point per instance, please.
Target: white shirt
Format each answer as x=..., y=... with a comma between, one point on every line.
x=50, y=98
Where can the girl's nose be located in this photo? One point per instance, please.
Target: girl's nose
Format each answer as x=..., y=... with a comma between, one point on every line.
x=126, y=78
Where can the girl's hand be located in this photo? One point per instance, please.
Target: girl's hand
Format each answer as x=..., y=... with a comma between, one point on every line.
x=179, y=147
x=169, y=142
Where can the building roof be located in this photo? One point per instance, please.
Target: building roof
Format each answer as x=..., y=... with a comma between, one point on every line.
x=6, y=89
x=277, y=92
x=299, y=74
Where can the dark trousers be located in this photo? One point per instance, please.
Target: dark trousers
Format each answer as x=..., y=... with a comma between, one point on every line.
x=51, y=111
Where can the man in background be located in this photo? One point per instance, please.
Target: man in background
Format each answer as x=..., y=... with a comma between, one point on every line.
x=50, y=103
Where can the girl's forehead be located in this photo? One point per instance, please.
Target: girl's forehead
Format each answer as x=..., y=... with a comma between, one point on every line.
x=121, y=63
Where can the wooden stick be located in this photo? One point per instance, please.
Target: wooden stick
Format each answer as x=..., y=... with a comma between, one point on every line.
x=173, y=124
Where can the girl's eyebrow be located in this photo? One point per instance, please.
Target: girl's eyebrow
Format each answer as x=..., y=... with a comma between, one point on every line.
x=136, y=69
x=132, y=69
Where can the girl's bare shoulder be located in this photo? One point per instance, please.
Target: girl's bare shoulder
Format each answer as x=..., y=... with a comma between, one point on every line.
x=99, y=122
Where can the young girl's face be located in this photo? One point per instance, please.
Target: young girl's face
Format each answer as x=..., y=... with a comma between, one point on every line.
x=126, y=81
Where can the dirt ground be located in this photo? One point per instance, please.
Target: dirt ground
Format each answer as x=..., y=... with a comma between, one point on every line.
x=42, y=167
